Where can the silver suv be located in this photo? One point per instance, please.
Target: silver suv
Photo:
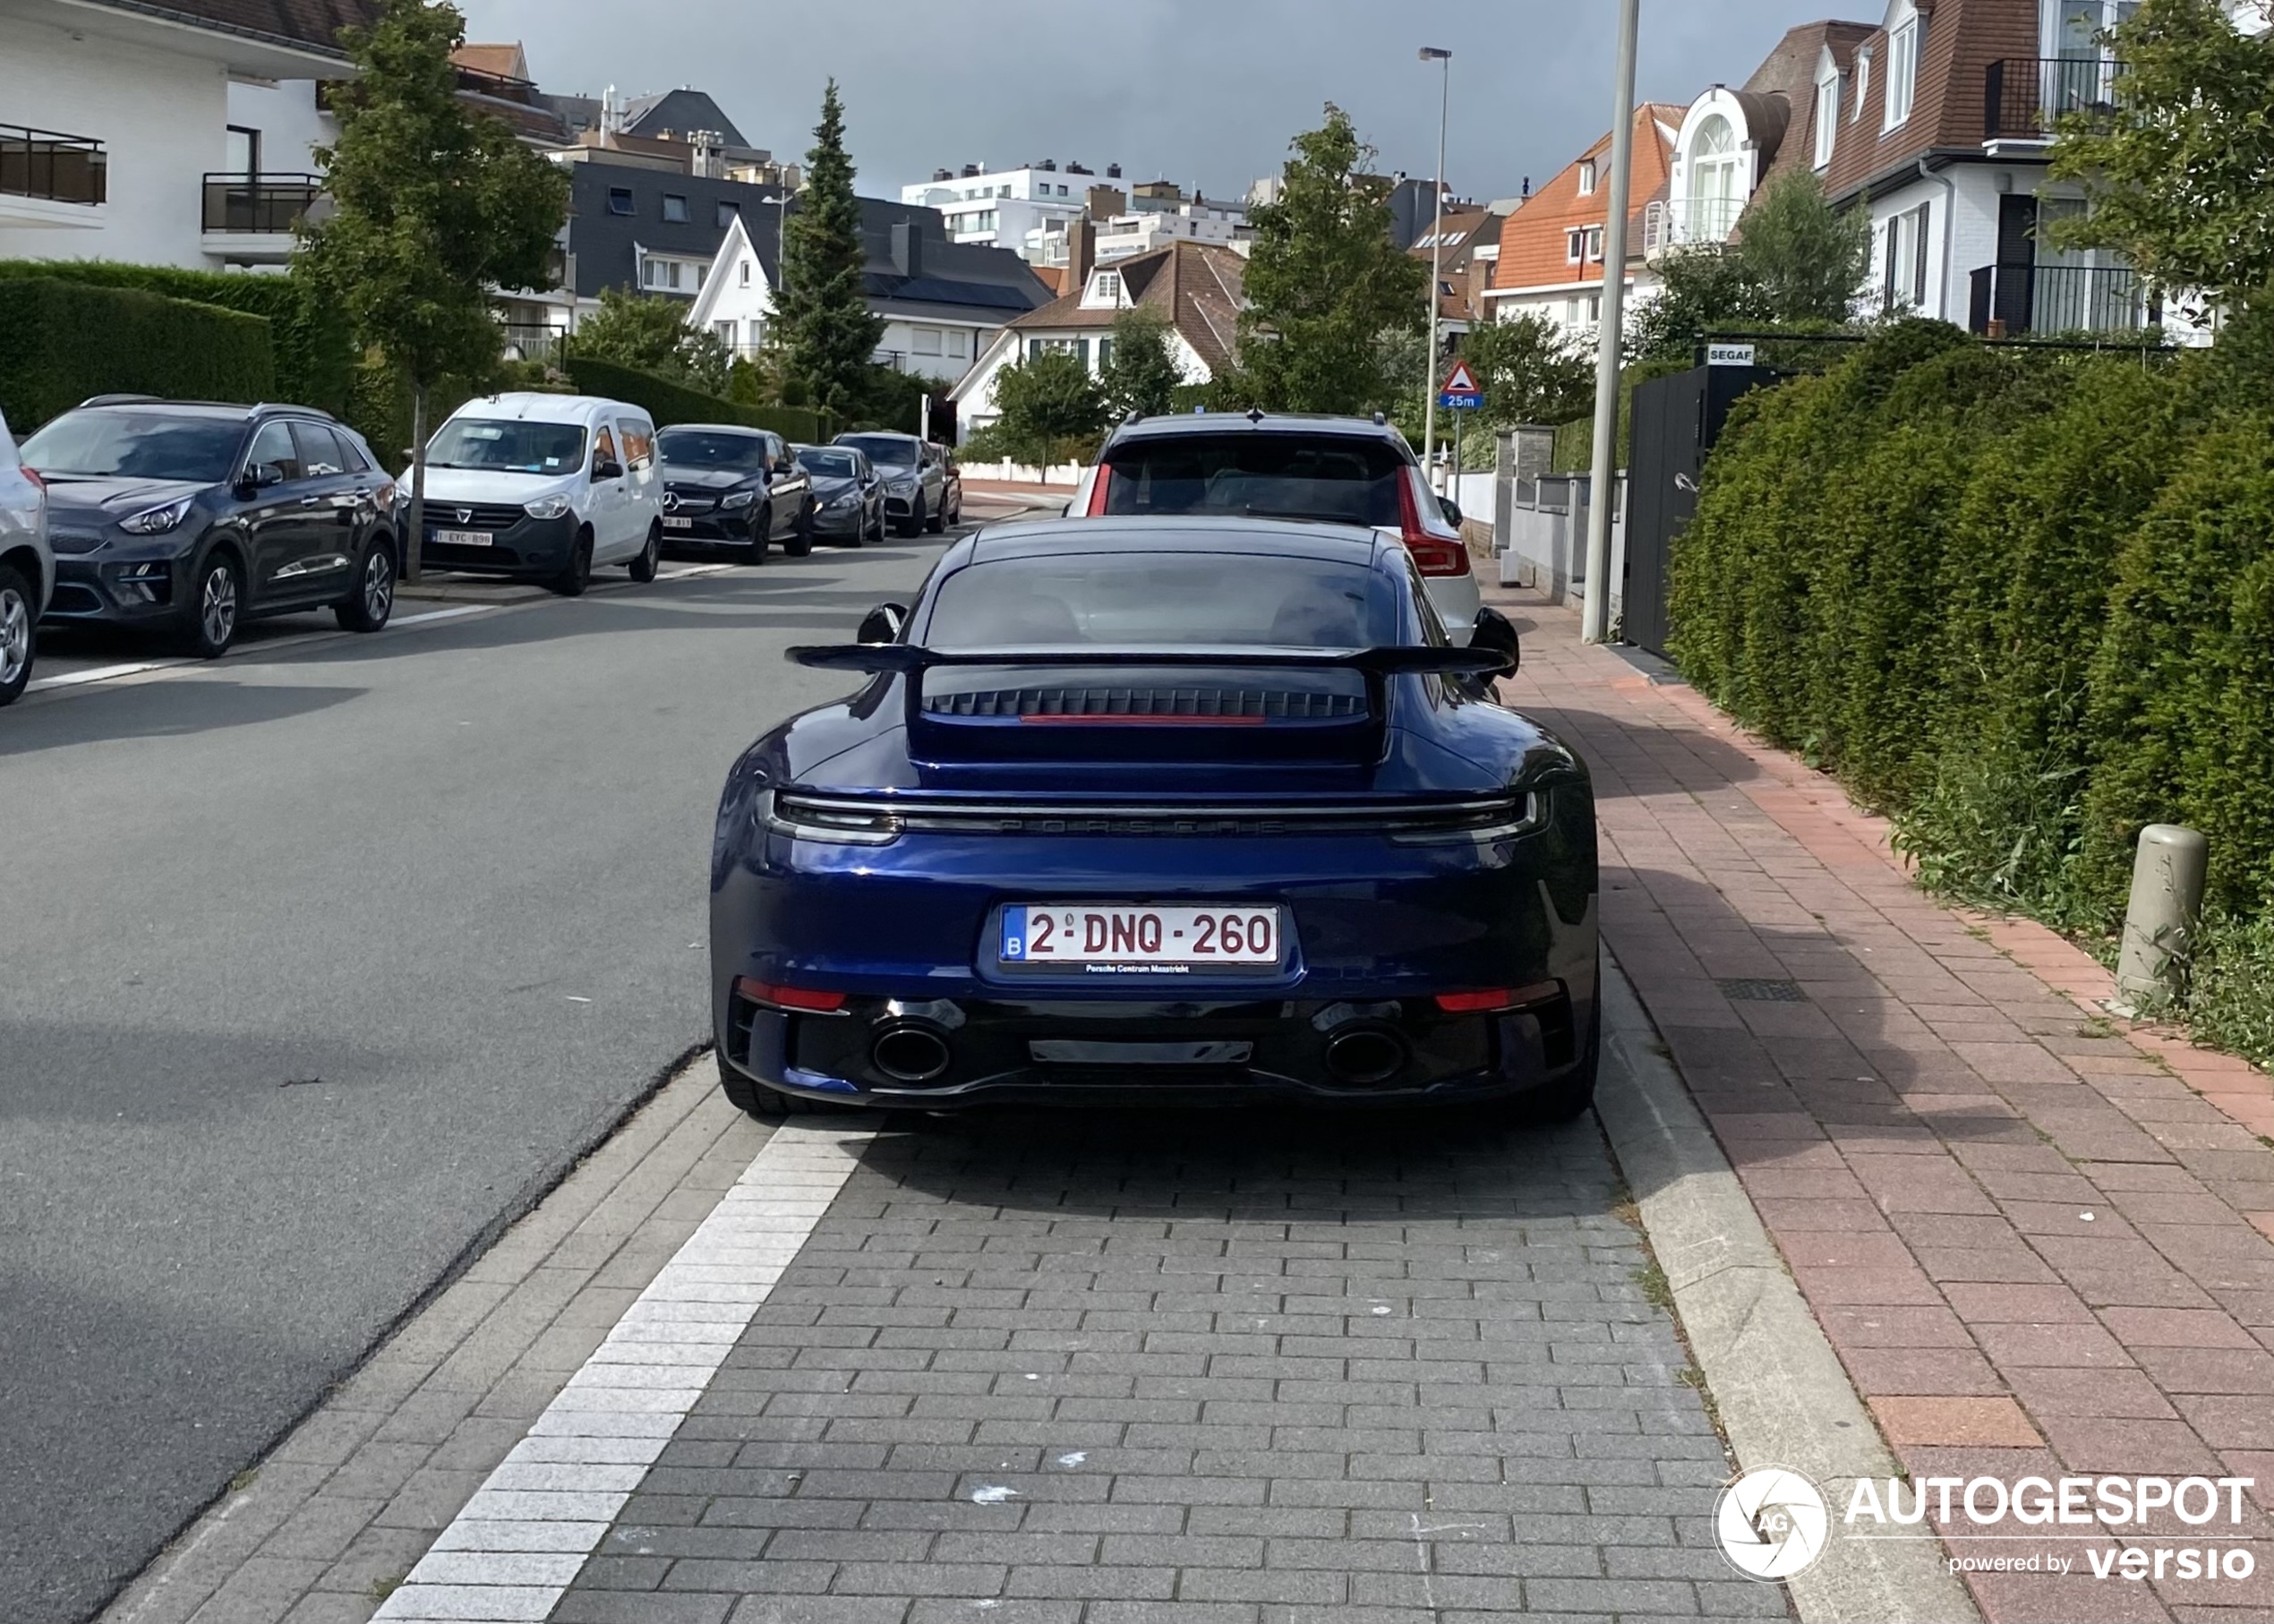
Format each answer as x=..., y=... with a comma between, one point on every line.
x=27, y=566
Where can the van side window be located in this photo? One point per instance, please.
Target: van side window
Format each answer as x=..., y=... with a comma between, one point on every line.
x=603, y=448
x=639, y=443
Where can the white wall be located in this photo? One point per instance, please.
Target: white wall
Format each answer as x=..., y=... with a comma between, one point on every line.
x=161, y=115
x=900, y=345
x=291, y=125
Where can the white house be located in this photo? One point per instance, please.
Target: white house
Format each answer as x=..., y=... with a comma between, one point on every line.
x=175, y=135
x=737, y=298
x=1002, y=208
x=1195, y=289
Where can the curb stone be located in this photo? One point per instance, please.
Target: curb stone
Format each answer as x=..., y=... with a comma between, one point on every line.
x=1783, y=1397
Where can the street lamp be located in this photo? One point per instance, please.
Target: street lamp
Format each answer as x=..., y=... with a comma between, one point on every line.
x=1594, y=612
x=1429, y=53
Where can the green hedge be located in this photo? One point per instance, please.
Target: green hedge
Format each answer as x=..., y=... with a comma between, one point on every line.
x=1575, y=441
x=668, y=403
x=315, y=357
x=2022, y=600
x=62, y=341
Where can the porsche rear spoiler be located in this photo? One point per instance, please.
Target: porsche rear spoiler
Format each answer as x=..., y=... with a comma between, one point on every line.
x=1166, y=705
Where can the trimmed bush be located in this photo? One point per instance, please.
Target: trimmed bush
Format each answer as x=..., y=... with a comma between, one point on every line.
x=668, y=403
x=315, y=357
x=62, y=341
x=2024, y=602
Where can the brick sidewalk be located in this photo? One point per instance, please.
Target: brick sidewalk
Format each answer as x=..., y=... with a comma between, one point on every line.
x=2037, y=1242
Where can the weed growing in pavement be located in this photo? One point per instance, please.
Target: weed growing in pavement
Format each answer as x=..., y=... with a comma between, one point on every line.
x=382, y=1588
x=245, y=1480
x=1656, y=1290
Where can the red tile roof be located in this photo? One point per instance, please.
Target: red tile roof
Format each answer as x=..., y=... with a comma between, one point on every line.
x=1534, y=241
x=1194, y=287
x=1961, y=38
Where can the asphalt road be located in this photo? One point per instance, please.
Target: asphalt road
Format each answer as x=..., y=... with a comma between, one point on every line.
x=314, y=964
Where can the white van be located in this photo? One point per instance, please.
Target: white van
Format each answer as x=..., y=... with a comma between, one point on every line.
x=545, y=487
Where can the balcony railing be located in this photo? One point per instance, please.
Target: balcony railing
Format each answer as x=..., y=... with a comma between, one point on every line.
x=2051, y=299
x=1693, y=220
x=2025, y=97
x=45, y=164
x=259, y=204
x=533, y=341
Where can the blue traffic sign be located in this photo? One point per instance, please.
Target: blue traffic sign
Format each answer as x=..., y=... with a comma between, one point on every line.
x=1450, y=402
x=1460, y=391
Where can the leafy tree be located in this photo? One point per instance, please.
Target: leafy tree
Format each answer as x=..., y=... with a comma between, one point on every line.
x=651, y=332
x=1531, y=372
x=1141, y=374
x=1325, y=281
x=2175, y=178
x=435, y=205
x=1798, y=262
x=1051, y=407
x=821, y=310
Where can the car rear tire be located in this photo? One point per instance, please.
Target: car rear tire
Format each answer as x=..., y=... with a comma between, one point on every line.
x=373, y=602
x=643, y=568
x=216, y=606
x=571, y=582
x=18, y=646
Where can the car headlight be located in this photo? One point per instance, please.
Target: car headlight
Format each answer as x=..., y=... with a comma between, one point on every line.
x=901, y=487
x=846, y=499
x=157, y=521
x=548, y=507
x=738, y=499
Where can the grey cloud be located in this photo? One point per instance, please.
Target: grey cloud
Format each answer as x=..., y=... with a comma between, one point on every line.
x=1204, y=91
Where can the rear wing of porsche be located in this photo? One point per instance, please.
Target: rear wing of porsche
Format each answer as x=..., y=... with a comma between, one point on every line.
x=1172, y=704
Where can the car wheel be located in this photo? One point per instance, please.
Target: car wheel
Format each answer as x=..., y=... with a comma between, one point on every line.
x=937, y=522
x=876, y=525
x=643, y=568
x=217, y=599
x=367, y=609
x=571, y=582
x=798, y=542
x=17, y=649
x=915, y=521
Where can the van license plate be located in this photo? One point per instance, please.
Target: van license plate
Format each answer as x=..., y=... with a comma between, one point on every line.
x=463, y=538
x=1116, y=936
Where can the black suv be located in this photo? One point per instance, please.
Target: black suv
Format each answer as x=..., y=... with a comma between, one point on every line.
x=188, y=516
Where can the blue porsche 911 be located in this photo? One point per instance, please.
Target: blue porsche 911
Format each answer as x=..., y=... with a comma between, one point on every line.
x=1170, y=811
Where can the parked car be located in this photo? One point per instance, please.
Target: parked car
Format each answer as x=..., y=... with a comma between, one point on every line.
x=848, y=493
x=191, y=518
x=27, y=566
x=915, y=482
x=1343, y=470
x=952, y=483
x=1208, y=809
x=548, y=487
x=728, y=486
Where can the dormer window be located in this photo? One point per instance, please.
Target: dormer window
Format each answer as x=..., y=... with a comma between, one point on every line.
x=1586, y=177
x=1105, y=288
x=1827, y=114
x=1903, y=65
x=1863, y=83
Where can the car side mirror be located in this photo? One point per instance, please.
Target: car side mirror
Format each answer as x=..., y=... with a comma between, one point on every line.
x=259, y=477
x=1451, y=510
x=882, y=624
x=1495, y=632
x=607, y=470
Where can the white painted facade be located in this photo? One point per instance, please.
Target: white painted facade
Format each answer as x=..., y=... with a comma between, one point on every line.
x=159, y=97
x=1717, y=166
x=974, y=397
x=1001, y=209
x=1574, y=308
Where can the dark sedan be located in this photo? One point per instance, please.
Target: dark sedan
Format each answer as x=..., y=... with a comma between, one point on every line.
x=1173, y=811
x=848, y=493
x=725, y=486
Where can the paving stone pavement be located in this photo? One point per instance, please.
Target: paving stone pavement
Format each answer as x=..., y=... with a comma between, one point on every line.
x=1205, y=1368
x=2040, y=1240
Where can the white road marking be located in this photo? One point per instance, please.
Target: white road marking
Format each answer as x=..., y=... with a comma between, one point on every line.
x=519, y=1542
x=101, y=673
x=444, y=614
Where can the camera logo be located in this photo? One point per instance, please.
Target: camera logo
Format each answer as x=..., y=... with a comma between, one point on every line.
x=1771, y=1522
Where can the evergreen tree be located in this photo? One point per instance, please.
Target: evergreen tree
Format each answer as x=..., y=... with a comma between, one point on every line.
x=1325, y=281
x=821, y=313
x=435, y=205
x=1141, y=374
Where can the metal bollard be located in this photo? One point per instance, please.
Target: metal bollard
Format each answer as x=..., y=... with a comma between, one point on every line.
x=2159, y=920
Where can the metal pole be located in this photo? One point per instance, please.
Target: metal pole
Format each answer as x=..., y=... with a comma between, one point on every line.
x=1595, y=617
x=1429, y=53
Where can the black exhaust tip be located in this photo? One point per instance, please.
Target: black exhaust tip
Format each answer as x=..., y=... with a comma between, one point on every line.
x=1365, y=1055
x=910, y=1054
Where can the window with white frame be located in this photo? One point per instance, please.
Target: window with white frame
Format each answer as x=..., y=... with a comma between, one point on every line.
x=1595, y=241
x=1827, y=114
x=1903, y=69
x=959, y=344
x=746, y=273
x=1863, y=83
x=925, y=340
x=1586, y=177
x=1575, y=244
x=1904, y=268
x=725, y=330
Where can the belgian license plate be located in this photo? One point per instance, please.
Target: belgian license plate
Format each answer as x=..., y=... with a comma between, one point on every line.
x=463, y=538
x=1111, y=938
x=678, y=524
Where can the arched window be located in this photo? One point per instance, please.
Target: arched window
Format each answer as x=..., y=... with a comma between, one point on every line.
x=1716, y=194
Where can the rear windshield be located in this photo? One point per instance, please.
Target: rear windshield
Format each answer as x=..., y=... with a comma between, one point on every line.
x=705, y=448
x=1336, y=478
x=508, y=445
x=884, y=448
x=110, y=443
x=1162, y=601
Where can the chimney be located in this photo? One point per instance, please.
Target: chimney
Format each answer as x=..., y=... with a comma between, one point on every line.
x=1113, y=172
x=1527, y=187
x=1104, y=203
x=970, y=170
x=908, y=247
x=942, y=175
x=1081, y=253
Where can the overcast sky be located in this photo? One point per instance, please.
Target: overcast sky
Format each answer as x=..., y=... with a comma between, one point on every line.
x=1206, y=92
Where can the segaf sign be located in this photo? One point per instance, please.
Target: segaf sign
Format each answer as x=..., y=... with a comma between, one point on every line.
x=1773, y=1523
